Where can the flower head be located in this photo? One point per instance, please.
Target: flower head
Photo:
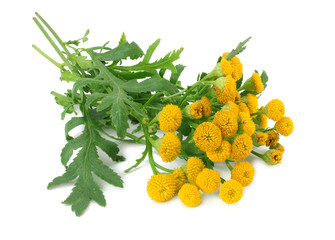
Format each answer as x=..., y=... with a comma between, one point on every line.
x=208, y=180
x=194, y=166
x=189, y=195
x=161, y=187
x=280, y=148
x=273, y=139
x=243, y=172
x=263, y=123
x=273, y=157
x=231, y=191
x=197, y=110
x=248, y=125
x=170, y=147
x=229, y=92
x=252, y=103
x=284, y=126
x=180, y=177
x=227, y=123
x=257, y=81
x=243, y=108
x=221, y=154
x=261, y=138
x=226, y=65
x=207, y=137
x=207, y=106
x=237, y=68
x=170, y=118
x=241, y=147
x=233, y=108
x=275, y=109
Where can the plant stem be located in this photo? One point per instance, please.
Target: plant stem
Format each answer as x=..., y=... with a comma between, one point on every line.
x=163, y=168
x=57, y=64
x=138, y=161
x=257, y=154
x=151, y=99
x=229, y=166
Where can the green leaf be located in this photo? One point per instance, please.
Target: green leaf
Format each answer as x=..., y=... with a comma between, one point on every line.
x=84, y=165
x=71, y=124
x=150, y=85
x=126, y=75
x=68, y=76
x=239, y=82
x=175, y=76
x=264, y=78
x=64, y=101
x=123, y=51
x=123, y=39
x=240, y=48
x=81, y=61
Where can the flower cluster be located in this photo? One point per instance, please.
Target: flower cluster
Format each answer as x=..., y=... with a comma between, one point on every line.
x=223, y=123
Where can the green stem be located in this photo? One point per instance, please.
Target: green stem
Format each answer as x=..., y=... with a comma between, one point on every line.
x=151, y=158
x=229, y=166
x=138, y=161
x=151, y=99
x=136, y=139
x=181, y=101
x=257, y=154
x=57, y=64
x=222, y=180
x=67, y=63
x=163, y=168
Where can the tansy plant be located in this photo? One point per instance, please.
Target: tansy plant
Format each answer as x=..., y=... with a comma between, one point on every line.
x=217, y=120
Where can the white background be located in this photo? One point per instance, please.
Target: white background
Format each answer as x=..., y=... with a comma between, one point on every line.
x=292, y=40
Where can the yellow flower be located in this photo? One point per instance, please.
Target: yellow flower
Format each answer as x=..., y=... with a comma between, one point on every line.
x=161, y=187
x=243, y=108
x=275, y=109
x=257, y=81
x=196, y=110
x=229, y=92
x=194, y=166
x=207, y=106
x=237, y=68
x=284, y=126
x=233, y=108
x=243, y=172
x=207, y=137
x=273, y=138
x=273, y=157
x=189, y=195
x=241, y=147
x=170, y=118
x=248, y=125
x=227, y=123
x=252, y=103
x=263, y=121
x=208, y=180
x=226, y=65
x=261, y=138
x=280, y=148
x=170, y=147
x=237, y=96
x=220, y=154
x=231, y=191
x=180, y=177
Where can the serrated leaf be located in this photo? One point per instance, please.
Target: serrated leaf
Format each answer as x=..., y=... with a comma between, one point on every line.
x=239, y=82
x=175, y=76
x=123, y=39
x=81, y=61
x=150, y=51
x=240, y=48
x=120, y=117
x=123, y=51
x=65, y=101
x=68, y=76
x=110, y=148
x=71, y=124
x=151, y=84
x=264, y=78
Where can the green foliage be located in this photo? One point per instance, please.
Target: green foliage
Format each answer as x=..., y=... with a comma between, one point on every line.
x=240, y=48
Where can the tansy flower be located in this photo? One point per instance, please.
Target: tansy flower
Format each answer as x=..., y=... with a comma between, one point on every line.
x=220, y=154
x=229, y=92
x=241, y=147
x=237, y=68
x=207, y=106
x=180, y=177
x=226, y=65
x=275, y=109
x=243, y=172
x=280, y=148
x=273, y=138
x=194, y=166
x=252, y=103
x=272, y=157
x=231, y=191
x=170, y=147
x=232, y=107
x=196, y=110
x=248, y=125
x=161, y=187
x=261, y=138
x=243, y=108
x=284, y=126
x=189, y=195
x=263, y=123
x=237, y=96
x=227, y=123
x=207, y=137
x=170, y=118
x=208, y=180
x=257, y=81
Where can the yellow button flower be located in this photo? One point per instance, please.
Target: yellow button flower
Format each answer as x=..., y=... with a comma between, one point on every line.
x=231, y=191
x=189, y=195
x=273, y=157
x=257, y=81
x=193, y=167
x=170, y=118
x=243, y=172
x=161, y=187
x=180, y=177
x=196, y=110
x=170, y=147
x=275, y=109
x=208, y=180
x=243, y=108
x=207, y=137
x=248, y=125
x=273, y=139
x=220, y=154
x=261, y=138
x=207, y=106
x=284, y=126
x=229, y=92
x=241, y=147
x=252, y=103
x=227, y=122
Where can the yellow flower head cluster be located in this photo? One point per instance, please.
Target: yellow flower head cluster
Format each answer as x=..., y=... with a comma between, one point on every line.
x=208, y=180
x=248, y=125
x=221, y=154
x=276, y=109
x=243, y=172
x=170, y=147
x=232, y=67
x=170, y=118
x=193, y=167
x=261, y=138
x=231, y=191
x=161, y=187
x=227, y=122
x=257, y=81
x=197, y=110
x=206, y=106
x=284, y=126
x=241, y=147
x=252, y=103
x=189, y=195
x=207, y=136
x=180, y=177
x=229, y=91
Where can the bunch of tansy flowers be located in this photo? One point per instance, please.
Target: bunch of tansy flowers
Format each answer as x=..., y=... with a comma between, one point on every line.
x=226, y=124
x=217, y=120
